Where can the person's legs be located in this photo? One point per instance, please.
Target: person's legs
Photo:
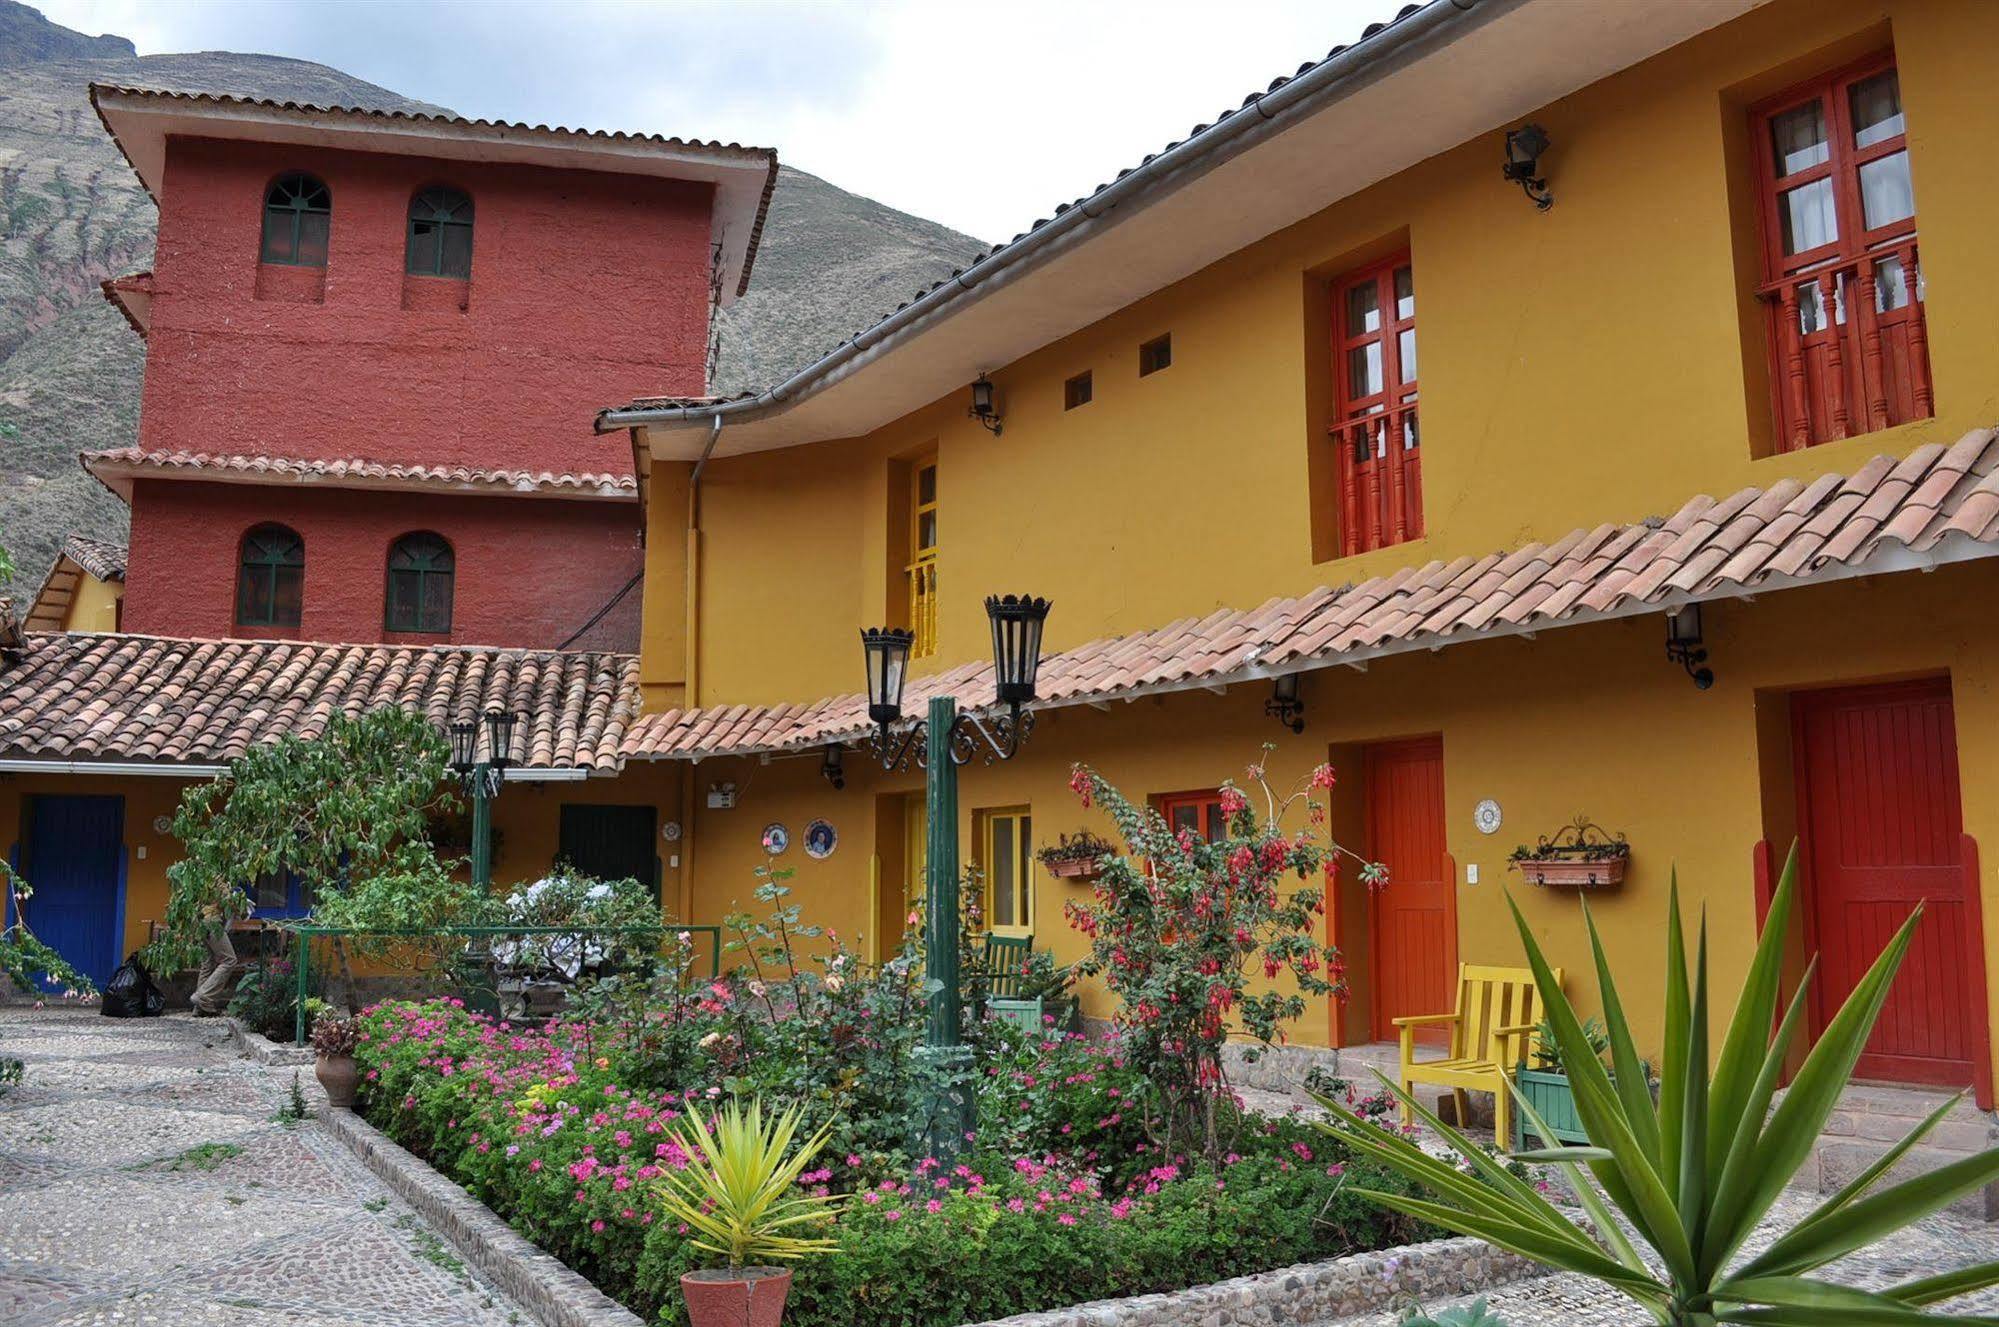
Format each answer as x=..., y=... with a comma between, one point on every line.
x=212, y=995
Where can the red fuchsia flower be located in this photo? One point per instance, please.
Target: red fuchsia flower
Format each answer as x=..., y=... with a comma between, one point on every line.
x=1232, y=800
x=1324, y=777
x=1079, y=783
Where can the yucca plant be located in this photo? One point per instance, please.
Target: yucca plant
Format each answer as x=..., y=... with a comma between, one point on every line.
x=739, y=1193
x=1695, y=1172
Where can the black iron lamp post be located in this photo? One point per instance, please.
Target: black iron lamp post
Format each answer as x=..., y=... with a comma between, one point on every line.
x=938, y=744
x=480, y=773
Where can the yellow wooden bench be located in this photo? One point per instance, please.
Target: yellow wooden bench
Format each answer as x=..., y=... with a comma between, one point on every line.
x=1492, y=1034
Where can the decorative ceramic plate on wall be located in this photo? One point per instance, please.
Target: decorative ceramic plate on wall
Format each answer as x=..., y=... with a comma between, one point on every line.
x=820, y=840
x=776, y=838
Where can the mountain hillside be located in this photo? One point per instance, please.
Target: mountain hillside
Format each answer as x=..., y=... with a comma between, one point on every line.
x=72, y=213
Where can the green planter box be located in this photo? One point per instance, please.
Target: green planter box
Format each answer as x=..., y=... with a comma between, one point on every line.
x=1552, y=1097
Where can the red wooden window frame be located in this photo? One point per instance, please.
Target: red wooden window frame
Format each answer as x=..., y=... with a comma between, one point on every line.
x=1840, y=366
x=1375, y=432
x=1206, y=806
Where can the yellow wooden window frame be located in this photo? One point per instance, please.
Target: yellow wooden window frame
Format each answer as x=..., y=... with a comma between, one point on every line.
x=915, y=852
x=922, y=568
x=1013, y=826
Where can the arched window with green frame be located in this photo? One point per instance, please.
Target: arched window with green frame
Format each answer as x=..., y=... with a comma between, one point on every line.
x=421, y=567
x=298, y=217
x=440, y=234
x=270, y=578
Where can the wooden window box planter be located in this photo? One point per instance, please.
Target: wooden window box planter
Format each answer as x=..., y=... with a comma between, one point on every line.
x=1577, y=856
x=1079, y=856
x=1574, y=873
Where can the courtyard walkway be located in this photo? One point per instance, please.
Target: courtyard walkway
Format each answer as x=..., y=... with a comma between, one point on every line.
x=145, y=1178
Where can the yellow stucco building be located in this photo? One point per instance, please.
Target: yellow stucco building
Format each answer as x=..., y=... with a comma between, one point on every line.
x=1200, y=374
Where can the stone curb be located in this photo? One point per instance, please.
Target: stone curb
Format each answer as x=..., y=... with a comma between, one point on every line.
x=262, y=1049
x=553, y=1294
x=1308, y=1293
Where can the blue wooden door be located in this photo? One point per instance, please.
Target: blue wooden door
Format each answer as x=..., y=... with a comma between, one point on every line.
x=74, y=860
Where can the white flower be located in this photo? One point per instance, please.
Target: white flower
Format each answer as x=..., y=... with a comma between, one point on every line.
x=710, y=1039
x=835, y=982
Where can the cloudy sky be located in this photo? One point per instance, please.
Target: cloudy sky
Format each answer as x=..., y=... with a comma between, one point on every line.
x=981, y=116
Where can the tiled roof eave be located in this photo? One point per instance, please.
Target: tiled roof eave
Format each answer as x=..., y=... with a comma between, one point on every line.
x=69, y=699
x=111, y=466
x=1706, y=552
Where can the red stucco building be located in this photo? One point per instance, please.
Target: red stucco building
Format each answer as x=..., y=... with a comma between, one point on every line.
x=374, y=345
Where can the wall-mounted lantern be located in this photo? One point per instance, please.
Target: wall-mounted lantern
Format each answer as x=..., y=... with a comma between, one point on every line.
x=1524, y=148
x=1686, y=646
x=1284, y=704
x=983, y=407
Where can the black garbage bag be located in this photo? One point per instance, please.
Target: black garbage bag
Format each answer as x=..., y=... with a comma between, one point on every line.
x=131, y=994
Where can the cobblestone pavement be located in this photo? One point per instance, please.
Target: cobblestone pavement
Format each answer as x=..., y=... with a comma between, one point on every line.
x=146, y=1179
x=1936, y=1245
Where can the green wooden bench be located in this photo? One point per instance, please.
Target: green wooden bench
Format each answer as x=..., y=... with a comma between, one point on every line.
x=1003, y=963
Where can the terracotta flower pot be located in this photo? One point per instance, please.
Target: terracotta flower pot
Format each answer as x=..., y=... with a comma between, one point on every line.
x=1074, y=868
x=736, y=1296
x=337, y=1074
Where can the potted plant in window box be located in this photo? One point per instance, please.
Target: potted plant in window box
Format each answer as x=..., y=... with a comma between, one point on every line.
x=740, y=1200
x=334, y=1039
x=1077, y=856
x=1579, y=856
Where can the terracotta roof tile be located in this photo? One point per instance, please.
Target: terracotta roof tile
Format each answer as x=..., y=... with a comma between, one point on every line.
x=90, y=696
x=116, y=466
x=1707, y=549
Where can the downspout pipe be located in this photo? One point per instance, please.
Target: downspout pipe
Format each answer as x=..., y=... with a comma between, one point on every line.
x=692, y=633
x=684, y=875
x=1261, y=117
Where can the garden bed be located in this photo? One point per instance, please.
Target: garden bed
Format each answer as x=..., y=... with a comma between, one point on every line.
x=1060, y=1202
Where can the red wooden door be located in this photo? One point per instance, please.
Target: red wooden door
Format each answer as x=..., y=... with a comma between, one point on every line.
x=1415, y=929
x=1881, y=826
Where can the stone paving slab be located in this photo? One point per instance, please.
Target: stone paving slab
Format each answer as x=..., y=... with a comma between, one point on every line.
x=145, y=1178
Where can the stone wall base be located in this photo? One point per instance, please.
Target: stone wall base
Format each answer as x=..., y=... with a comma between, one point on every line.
x=555, y=1295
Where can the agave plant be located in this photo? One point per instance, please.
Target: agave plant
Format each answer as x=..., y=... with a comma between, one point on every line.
x=1694, y=1173
x=739, y=1193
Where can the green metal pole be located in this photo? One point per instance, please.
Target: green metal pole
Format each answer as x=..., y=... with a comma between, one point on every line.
x=940, y=798
x=304, y=957
x=953, y=1115
x=482, y=830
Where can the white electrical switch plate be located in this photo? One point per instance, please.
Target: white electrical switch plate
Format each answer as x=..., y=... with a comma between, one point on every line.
x=1471, y=873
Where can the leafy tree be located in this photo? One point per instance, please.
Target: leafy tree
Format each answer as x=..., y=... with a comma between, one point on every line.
x=348, y=812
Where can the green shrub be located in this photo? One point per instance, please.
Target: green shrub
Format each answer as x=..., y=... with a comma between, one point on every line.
x=537, y=1124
